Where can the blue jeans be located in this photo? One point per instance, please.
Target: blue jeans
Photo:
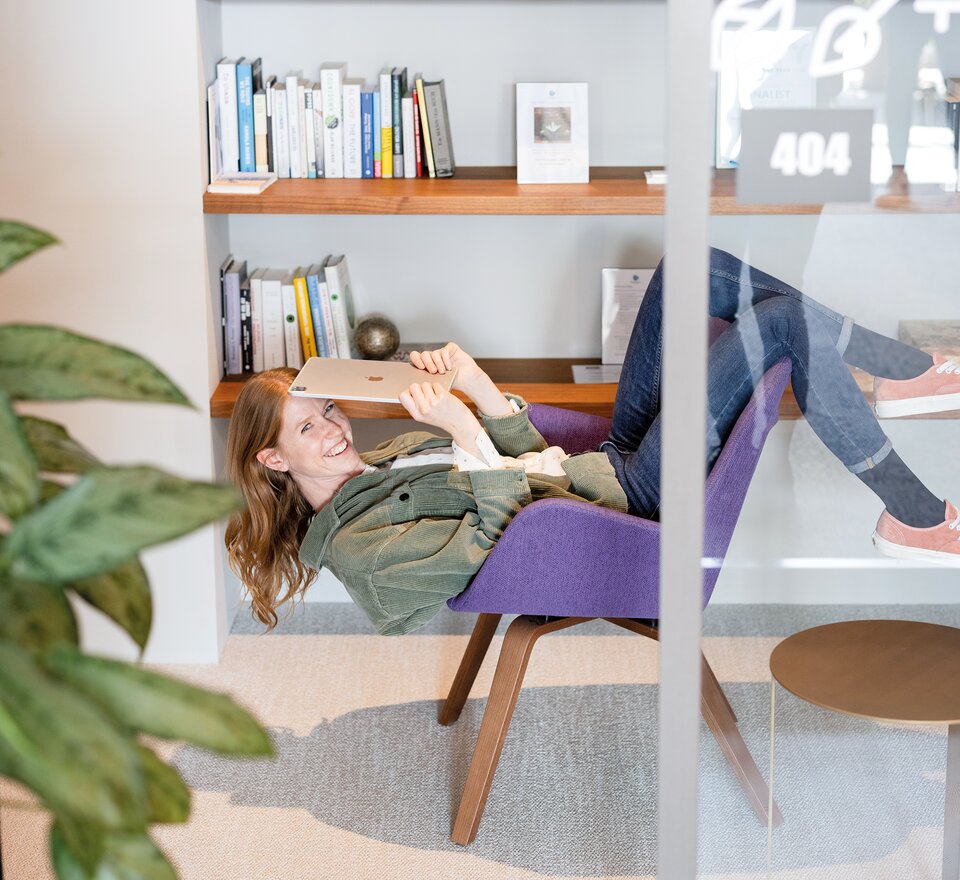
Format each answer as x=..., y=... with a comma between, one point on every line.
x=770, y=320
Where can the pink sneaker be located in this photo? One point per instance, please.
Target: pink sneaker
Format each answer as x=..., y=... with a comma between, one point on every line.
x=936, y=390
x=939, y=544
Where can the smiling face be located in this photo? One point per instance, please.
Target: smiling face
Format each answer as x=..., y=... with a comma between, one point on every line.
x=315, y=446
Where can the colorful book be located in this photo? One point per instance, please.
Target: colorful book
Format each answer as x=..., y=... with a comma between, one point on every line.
x=256, y=318
x=318, y=126
x=341, y=302
x=386, y=122
x=440, y=140
x=366, y=133
x=293, y=121
x=316, y=314
x=377, y=167
x=397, y=91
x=425, y=125
x=282, y=142
x=248, y=81
x=293, y=347
x=229, y=130
x=305, y=318
x=324, y=294
x=271, y=285
x=331, y=83
x=417, y=132
x=352, y=129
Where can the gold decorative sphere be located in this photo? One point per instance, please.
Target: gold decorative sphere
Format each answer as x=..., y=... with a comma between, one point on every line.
x=376, y=338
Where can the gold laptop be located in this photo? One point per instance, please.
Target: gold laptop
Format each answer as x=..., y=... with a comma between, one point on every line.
x=355, y=379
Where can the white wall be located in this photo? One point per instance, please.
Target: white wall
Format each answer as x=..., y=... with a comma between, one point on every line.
x=101, y=145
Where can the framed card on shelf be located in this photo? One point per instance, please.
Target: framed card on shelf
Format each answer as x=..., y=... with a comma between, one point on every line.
x=553, y=143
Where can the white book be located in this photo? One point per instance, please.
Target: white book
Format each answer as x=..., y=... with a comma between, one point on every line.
x=256, y=319
x=341, y=302
x=229, y=124
x=352, y=129
x=213, y=131
x=324, y=297
x=386, y=116
x=318, y=126
x=291, y=323
x=260, y=130
x=302, y=114
x=308, y=118
x=274, y=347
x=409, y=144
x=331, y=82
x=293, y=122
x=282, y=141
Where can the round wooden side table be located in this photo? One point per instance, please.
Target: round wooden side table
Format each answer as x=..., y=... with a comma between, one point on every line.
x=887, y=670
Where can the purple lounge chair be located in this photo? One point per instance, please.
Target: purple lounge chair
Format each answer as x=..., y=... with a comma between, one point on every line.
x=594, y=562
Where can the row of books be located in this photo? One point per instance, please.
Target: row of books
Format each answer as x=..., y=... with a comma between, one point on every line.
x=276, y=318
x=335, y=127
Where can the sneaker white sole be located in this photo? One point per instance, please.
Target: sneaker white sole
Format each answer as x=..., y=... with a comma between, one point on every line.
x=914, y=406
x=899, y=551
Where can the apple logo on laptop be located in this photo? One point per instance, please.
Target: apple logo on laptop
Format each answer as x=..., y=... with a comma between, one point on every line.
x=375, y=378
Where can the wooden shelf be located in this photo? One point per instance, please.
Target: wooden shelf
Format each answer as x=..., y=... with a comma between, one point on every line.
x=494, y=190
x=536, y=381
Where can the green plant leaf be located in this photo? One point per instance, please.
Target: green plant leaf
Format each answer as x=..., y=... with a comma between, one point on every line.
x=108, y=516
x=19, y=489
x=122, y=857
x=123, y=594
x=56, y=451
x=168, y=797
x=66, y=748
x=76, y=848
x=49, y=363
x=35, y=615
x=152, y=703
x=18, y=241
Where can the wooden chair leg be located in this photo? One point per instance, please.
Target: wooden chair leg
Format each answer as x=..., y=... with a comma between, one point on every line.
x=511, y=666
x=466, y=675
x=722, y=723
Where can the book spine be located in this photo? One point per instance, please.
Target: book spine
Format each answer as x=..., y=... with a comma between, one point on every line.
x=377, y=167
x=366, y=133
x=227, y=80
x=223, y=313
x=417, y=133
x=341, y=307
x=318, y=126
x=256, y=320
x=307, y=338
x=246, y=328
x=309, y=117
x=324, y=293
x=442, y=154
x=386, y=124
x=271, y=127
x=395, y=98
x=260, y=130
x=233, y=348
x=302, y=114
x=213, y=132
x=352, y=151
x=293, y=351
x=425, y=125
x=316, y=316
x=293, y=125
x=272, y=303
x=283, y=137
x=331, y=81
x=245, y=116
x=406, y=111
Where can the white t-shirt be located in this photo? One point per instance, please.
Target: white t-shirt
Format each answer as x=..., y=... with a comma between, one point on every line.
x=546, y=462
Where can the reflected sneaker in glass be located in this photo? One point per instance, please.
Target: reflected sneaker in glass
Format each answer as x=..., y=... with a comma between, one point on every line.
x=936, y=390
x=940, y=543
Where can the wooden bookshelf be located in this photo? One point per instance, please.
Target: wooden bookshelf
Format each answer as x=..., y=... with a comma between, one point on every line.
x=494, y=190
x=536, y=381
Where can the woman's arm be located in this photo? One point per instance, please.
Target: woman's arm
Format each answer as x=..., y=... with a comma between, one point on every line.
x=470, y=378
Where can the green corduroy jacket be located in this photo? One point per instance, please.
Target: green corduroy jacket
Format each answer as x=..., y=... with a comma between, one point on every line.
x=405, y=540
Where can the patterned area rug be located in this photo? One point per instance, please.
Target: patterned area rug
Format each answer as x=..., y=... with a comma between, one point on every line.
x=366, y=783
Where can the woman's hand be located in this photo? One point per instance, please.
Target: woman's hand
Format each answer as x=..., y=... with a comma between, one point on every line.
x=431, y=403
x=442, y=360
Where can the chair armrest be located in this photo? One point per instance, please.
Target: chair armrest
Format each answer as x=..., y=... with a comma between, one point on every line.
x=569, y=558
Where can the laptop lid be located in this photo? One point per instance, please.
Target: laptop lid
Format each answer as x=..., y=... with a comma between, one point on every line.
x=356, y=379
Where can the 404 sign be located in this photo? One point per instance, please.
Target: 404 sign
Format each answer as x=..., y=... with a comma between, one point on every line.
x=804, y=156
